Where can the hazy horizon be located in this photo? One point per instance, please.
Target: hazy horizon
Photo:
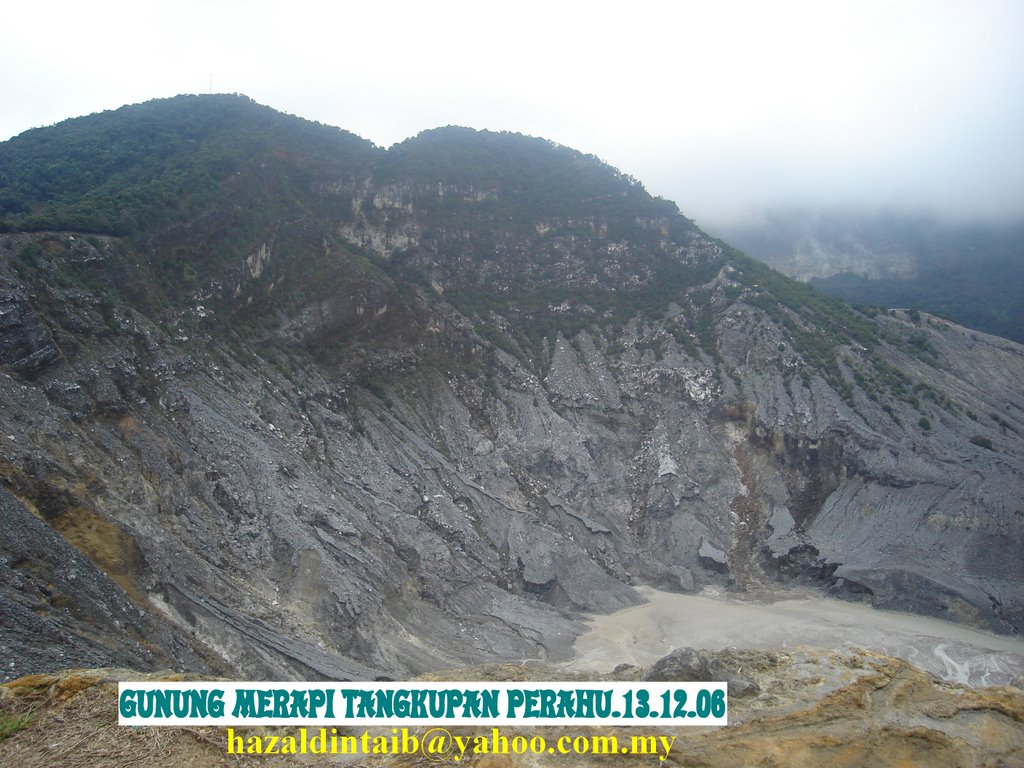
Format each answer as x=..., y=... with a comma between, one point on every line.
x=725, y=109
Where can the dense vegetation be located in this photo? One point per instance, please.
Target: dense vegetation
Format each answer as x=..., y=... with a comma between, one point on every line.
x=552, y=240
x=520, y=181
x=986, y=293
x=138, y=168
x=971, y=273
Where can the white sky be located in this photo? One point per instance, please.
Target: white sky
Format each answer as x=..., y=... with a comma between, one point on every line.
x=719, y=105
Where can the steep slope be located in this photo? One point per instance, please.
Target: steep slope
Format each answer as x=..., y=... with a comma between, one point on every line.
x=368, y=413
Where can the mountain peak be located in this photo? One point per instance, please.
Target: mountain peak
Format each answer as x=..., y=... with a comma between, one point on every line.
x=390, y=387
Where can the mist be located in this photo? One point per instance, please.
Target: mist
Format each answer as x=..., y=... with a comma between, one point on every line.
x=724, y=108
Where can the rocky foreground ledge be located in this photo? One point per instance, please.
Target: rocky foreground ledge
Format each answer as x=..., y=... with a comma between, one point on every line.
x=802, y=706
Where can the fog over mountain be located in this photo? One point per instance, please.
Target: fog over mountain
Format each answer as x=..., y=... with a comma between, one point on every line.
x=721, y=107
x=433, y=402
x=969, y=271
x=278, y=403
x=422, y=369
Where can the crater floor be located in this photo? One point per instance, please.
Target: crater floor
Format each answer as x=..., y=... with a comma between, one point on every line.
x=713, y=619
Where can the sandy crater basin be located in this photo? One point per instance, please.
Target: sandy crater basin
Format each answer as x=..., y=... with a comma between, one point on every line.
x=714, y=619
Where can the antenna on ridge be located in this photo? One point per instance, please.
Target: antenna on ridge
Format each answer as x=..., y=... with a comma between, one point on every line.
x=211, y=83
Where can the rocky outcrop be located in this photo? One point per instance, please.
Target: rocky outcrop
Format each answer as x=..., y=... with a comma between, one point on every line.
x=426, y=423
x=57, y=608
x=298, y=520
x=687, y=664
x=27, y=347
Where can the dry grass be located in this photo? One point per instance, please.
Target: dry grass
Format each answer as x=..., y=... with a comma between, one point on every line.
x=873, y=711
x=70, y=720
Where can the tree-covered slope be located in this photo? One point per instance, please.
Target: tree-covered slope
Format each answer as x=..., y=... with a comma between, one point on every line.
x=135, y=169
x=969, y=272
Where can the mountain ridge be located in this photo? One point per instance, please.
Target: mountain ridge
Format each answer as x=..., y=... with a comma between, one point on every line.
x=348, y=422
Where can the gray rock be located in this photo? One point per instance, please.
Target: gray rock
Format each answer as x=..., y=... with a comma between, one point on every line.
x=269, y=491
x=58, y=610
x=689, y=665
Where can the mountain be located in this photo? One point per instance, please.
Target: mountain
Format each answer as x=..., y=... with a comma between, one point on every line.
x=278, y=403
x=968, y=272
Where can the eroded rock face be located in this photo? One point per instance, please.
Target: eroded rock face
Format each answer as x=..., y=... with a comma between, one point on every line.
x=421, y=421
x=57, y=608
x=316, y=520
x=26, y=345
